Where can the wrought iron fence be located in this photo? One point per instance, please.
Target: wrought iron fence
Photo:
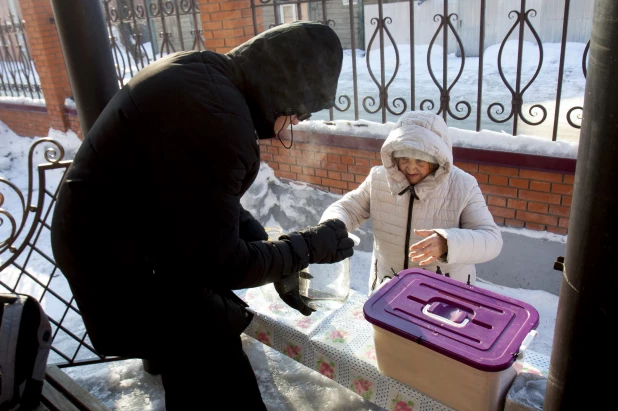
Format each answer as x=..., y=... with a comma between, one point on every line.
x=26, y=259
x=391, y=76
x=18, y=76
x=472, y=69
x=142, y=31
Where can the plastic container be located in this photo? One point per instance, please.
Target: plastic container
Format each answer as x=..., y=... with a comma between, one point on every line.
x=451, y=341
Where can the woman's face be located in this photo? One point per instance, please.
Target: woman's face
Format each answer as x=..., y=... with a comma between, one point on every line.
x=414, y=170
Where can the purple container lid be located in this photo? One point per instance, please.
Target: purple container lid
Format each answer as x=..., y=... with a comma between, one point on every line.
x=472, y=325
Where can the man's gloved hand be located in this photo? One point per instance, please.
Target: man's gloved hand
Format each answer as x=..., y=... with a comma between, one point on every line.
x=288, y=290
x=328, y=242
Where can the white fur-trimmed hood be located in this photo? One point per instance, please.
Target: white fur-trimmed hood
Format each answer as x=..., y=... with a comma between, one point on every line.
x=422, y=131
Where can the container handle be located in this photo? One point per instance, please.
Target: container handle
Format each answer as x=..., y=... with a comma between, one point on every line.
x=526, y=343
x=444, y=320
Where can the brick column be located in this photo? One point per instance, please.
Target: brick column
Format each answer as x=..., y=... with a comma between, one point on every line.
x=48, y=59
x=228, y=23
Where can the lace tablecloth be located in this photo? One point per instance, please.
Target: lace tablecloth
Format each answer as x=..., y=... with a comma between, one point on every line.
x=339, y=344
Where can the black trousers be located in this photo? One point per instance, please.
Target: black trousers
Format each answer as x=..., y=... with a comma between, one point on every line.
x=218, y=376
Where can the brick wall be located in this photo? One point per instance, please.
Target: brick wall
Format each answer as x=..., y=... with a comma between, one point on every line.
x=46, y=52
x=227, y=23
x=517, y=197
x=35, y=121
x=521, y=191
x=30, y=121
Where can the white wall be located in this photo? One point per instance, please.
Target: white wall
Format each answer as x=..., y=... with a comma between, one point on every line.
x=399, y=13
x=547, y=22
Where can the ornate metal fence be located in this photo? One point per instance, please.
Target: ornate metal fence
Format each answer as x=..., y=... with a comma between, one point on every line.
x=142, y=31
x=475, y=81
x=438, y=67
x=18, y=76
x=26, y=259
x=435, y=73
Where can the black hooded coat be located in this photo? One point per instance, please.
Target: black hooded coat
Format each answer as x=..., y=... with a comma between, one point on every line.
x=147, y=227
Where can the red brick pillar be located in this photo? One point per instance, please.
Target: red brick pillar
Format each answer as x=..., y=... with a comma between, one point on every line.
x=228, y=23
x=48, y=59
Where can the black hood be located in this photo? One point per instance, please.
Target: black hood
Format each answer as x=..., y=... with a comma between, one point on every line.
x=294, y=66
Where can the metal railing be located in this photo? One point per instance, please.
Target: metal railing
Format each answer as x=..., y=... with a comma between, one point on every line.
x=142, y=31
x=431, y=69
x=18, y=76
x=26, y=260
x=432, y=83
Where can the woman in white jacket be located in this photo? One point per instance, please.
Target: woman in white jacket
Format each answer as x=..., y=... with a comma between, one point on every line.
x=425, y=211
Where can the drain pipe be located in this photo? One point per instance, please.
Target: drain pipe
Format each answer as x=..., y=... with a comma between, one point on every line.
x=90, y=64
x=583, y=348
x=87, y=55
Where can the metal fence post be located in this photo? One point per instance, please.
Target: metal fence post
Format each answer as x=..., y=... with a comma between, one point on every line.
x=583, y=349
x=88, y=56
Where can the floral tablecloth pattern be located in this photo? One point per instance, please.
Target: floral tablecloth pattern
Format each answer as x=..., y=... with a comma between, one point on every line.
x=339, y=344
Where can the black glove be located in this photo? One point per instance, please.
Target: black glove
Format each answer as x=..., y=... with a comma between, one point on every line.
x=328, y=242
x=249, y=228
x=287, y=288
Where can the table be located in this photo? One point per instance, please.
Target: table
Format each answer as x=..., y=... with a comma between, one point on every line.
x=339, y=344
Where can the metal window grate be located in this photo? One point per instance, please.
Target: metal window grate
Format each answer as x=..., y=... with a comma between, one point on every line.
x=18, y=76
x=142, y=31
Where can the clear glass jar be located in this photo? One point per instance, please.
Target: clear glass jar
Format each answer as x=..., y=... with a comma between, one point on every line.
x=323, y=287
x=326, y=287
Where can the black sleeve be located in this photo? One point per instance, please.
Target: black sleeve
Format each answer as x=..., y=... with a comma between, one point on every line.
x=250, y=229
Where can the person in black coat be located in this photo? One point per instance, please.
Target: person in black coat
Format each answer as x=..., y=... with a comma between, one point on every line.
x=148, y=227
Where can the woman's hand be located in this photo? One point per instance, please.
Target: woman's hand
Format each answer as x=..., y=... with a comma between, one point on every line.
x=428, y=250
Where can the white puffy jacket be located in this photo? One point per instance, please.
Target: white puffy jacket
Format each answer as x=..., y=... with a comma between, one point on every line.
x=448, y=202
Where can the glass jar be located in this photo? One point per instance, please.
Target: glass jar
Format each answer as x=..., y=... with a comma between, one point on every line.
x=325, y=287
